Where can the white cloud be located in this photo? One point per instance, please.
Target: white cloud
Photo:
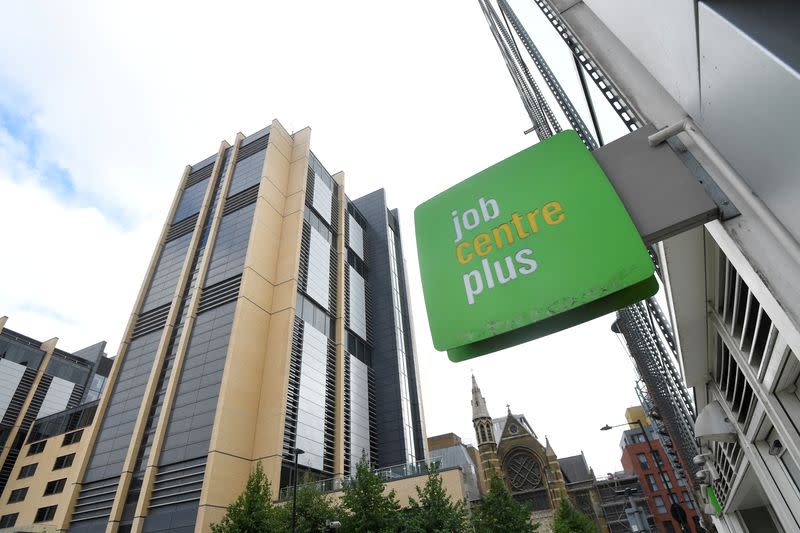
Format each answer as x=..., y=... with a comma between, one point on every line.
x=410, y=96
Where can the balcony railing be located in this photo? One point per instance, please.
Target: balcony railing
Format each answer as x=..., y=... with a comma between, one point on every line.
x=387, y=474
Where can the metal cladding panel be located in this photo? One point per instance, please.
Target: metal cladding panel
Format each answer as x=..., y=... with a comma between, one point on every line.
x=319, y=267
x=10, y=376
x=359, y=411
x=192, y=417
x=663, y=37
x=453, y=456
x=356, y=235
x=759, y=141
x=311, y=403
x=191, y=200
x=659, y=193
x=247, y=172
x=116, y=429
x=358, y=304
x=166, y=274
x=230, y=248
x=323, y=198
x=57, y=397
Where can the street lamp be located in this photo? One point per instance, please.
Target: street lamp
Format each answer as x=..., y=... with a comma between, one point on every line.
x=297, y=451
x=676, y=510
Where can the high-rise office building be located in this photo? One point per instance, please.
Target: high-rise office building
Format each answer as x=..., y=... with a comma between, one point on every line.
x=47, y=398
x=273, y=318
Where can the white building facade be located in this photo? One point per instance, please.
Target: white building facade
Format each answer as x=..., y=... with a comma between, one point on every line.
x=733, y=285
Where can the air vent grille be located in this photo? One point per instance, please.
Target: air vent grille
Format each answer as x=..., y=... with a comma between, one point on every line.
x=226, y=291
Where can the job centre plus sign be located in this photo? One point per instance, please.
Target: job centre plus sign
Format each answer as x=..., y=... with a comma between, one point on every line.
x=503, y=235
x=536, y=243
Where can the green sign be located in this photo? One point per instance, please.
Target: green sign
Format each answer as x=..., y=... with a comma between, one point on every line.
x=535, y=244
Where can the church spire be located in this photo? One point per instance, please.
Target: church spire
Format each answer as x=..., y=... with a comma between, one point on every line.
x=479, y=409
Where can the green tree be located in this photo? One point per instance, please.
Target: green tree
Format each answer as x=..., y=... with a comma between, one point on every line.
x=312, y=509
x=570, y=520
x=365, y=508
x=252, y=512
x=499, y=512
x=435, y=512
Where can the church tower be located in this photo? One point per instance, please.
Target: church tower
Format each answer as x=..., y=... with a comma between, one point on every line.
x=484, y=432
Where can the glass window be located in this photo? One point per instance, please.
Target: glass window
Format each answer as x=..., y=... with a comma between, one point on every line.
x=642, y=460
x=18, y=495
x=688, y=500
x=666, y=480
x=43, y=514
x=8, y=520
x=37, y=448
x=27, y=471
x=55, y=487
x=65, y=461
x=660, y=508
x=651, y=480
x=673, y=498
x=72, y=438
x=681, y=481
x=657, y=458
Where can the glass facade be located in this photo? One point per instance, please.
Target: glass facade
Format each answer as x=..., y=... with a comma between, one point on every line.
x=402, y=362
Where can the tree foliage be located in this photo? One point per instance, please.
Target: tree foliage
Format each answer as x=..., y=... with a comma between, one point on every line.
x=570, y=520
x=365, y=508
x=499, y=512
x=435, y=512
x=312, y=509
x=252, y=512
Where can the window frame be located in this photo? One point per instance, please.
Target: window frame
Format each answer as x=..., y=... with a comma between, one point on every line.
x=45, y=514
x=12, y=517
x=36, y=448
x=69, y=456
x=12, y=499
x=55, y=486
x=23, y=472
x=72, y=437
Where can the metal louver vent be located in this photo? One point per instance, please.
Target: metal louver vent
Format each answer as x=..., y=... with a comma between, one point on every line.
x=335, y=209
x=305, y=251
x=221, y=293
x=346, y=438
x=373, y=421
x=179, y=229
x=241, y=199
x=310, y=187
x=178, y=483
x=22, y=432
x=252, y=148
x=199, y=175
x=293, y=390
x=151, y=321
x=330, y=407
x=95, y=500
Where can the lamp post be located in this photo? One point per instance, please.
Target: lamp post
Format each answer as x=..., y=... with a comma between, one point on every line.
x=297, y=451
x=676, y=510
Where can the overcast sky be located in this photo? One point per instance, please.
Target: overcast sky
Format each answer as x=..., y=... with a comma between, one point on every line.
x=102, y=105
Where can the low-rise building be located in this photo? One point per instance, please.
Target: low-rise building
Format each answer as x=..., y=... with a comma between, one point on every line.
x=48, y=397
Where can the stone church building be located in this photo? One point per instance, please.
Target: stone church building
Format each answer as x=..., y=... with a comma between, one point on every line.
x=532, y=471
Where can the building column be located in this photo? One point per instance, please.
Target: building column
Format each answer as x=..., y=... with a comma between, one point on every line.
x=341, y=264
x=251, y=407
